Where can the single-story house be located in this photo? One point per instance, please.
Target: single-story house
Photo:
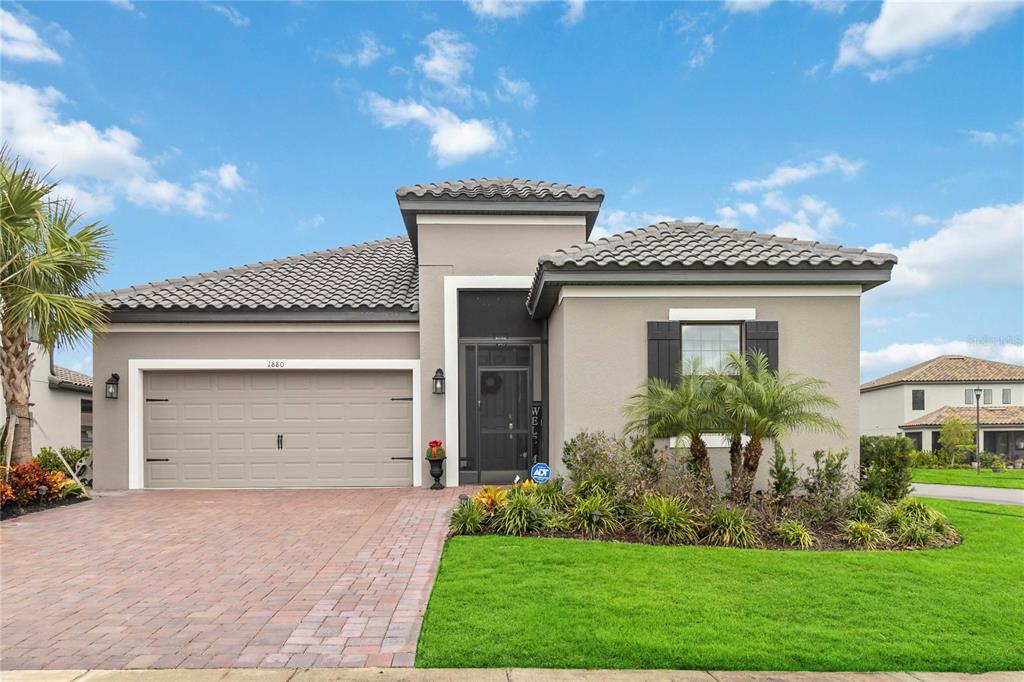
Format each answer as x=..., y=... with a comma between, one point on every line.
x=1001, y=426
x=916, y=400
x=60, y=403
x=492, y=324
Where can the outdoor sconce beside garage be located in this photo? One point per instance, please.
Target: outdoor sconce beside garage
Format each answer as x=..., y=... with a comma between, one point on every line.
x=111, y=385
x=438, y=380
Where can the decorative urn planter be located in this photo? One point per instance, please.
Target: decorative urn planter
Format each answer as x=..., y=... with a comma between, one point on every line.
x=436, y=457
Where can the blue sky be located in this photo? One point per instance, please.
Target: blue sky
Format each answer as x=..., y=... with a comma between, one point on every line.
x=215, y=134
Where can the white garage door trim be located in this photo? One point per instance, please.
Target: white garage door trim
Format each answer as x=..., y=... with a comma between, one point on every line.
x=136, y=465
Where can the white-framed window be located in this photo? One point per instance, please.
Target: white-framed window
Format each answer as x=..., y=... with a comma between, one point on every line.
x=710, y=344
x=968, y=396
x=917, y=399
x=987, y=396
x=1007, y=396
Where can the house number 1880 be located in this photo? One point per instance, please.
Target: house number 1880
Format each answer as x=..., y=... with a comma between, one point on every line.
x=275, y=364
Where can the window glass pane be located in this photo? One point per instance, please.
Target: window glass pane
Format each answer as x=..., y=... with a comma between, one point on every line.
x=710, y=344
x=1006, y=396
x=987, y=396
x=917, y=399
x=968, y=396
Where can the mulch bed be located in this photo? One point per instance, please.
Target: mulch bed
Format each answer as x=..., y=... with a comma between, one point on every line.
x=11, y=511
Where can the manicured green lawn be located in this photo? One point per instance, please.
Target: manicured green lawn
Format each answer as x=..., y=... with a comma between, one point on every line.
x=1011, y=478
x=537, y=602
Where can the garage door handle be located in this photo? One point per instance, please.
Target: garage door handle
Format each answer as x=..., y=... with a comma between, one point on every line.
x=280, y=441
x=157, y=459
x=405, y=458
x=402, y=399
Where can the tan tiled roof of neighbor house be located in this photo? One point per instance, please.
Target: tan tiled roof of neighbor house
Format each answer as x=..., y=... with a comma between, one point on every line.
x=501, y=189
x=693, y=247
x=373, y=276
x=70, y=376
x=1002, y=415
x=952, y=368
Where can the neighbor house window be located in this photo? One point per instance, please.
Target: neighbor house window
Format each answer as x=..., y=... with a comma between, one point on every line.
x=915, y=437
x=710, y=344
x=936, y=443
x=917, y=399
x=1006, y=396
x=987, y=396
x=968, y=396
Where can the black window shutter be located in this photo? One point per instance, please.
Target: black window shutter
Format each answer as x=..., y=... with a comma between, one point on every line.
x=764, y=337
x=664, y=352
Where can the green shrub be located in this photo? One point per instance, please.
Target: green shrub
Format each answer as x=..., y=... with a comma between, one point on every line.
x=49, y=460
x=784, y=476
x=551, y=494
x=522, y=514
x=864, y=534
x=914, y=535
x=912, y=510
x=990, y=459
x=595, y=515
x=468, y=518
x=889, y=468
x=874, y=448
x=666, y=519
x=867, y=507
x=558, y=522
x=828, y=476
x=923, y=459
x=729, y=526
x=794, y=533
x=601, y=463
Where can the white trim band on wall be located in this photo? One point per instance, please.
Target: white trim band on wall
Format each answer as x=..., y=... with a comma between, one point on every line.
x=711, y=314
x=136, y=440
x=452, y=285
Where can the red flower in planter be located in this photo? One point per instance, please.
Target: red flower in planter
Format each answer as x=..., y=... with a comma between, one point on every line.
x=435, y=450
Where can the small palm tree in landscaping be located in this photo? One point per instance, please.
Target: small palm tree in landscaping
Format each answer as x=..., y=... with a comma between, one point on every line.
x=763, y=403
x=687, y=408
x=47, y=263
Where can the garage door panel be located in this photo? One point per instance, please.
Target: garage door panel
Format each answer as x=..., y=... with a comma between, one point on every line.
x=220, y=429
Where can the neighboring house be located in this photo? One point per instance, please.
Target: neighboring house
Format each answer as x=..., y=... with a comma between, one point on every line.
x=916, y=401
x=324, y=369
x=61, y=402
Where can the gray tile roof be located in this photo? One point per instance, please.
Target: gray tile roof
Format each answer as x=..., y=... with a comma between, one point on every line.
x=379, y=275
x=677, y=243
x=70, y=376
x=1002, y=415
x=496, y=189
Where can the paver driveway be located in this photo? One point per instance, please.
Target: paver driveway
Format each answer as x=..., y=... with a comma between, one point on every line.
x=192, y=579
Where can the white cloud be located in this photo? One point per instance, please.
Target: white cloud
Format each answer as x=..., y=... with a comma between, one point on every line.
x=875, y=363
x=733, y=213
x=814, y=70
x=515, y=90
x=777, y=202
x=813, y=219
x=96, y=165
x=982, y=247
x=310, y=224
x=746, y=6
x=20, y=42
x=905, y=29
x=447, y=61
x=370, y=50
x=922, y=219
x=990, y=138
x=499, y=9
x=126, y=5
x=616, y=221
x=574, y=10
x=827, y=6
x=236, y=18
x=228, y=177
x=700, y=54
x=785, y=175
x=451, y=139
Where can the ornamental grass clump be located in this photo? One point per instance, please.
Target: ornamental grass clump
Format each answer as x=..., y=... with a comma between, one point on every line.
x=666, y=519
x=867, y=507
x=468, y=518
x=863, y=534
x=729, y=526
x=552, y=494
x=521, y=514
x=595, y=515
x=794, y=533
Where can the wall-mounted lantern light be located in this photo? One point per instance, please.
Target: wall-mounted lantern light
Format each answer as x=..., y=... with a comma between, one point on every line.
x=438, y=382
x=111, y=385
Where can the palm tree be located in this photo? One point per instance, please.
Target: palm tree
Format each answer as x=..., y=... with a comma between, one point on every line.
x=763, y=403
x=47, y=264
x=661, y=410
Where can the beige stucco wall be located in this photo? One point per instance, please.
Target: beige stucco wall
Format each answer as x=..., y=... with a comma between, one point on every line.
x=56, y=413
x=112, y=350
x=474, y=246
x=603, y=359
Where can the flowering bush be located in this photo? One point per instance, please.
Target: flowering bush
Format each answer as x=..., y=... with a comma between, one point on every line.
x=30, y=482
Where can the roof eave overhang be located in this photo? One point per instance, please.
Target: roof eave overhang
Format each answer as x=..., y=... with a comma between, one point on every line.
x=984, y=425
x=280, y=315
x=549, y=281
x=59, y=385
x=914, y=382
x=410, y=208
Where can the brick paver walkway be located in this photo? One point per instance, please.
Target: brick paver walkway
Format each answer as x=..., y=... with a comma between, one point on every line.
x=217, y=579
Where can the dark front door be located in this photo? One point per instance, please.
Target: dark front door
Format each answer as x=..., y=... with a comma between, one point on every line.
x=498, y=390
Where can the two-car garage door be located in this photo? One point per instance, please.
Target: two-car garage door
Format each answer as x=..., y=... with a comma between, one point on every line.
x=275, y=428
